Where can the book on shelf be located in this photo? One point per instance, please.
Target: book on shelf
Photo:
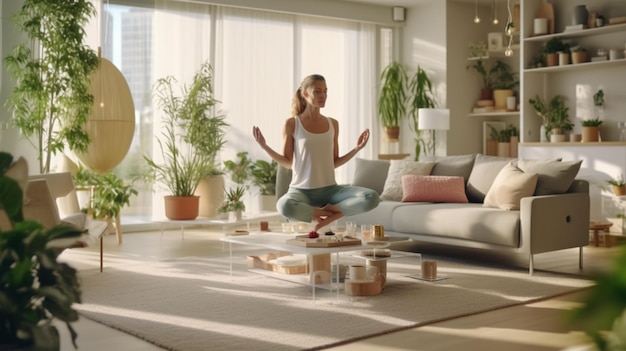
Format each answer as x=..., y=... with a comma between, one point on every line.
x=485, y=109
x=574, y=28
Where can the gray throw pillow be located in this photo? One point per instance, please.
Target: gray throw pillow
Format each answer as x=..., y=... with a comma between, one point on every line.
x=484, y=172
x=457, y=166
x=371, y=174
x=554, y=177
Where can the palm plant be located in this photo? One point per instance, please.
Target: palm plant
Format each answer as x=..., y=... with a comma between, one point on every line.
x=51, y=99
x=421, y=96
x=392, y=98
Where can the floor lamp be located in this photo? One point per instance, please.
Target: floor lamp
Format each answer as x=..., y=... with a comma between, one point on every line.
x=433, y=119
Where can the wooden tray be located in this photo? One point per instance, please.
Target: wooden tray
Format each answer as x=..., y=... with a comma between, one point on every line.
x=261, y=263
x=304, y=240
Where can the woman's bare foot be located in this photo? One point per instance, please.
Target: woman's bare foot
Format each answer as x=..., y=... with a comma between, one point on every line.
x=328, y=214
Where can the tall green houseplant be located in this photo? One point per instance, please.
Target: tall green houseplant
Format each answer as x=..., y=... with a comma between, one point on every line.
x=51, y=99
x=392, y=98
x=421, y=96
x=184, y=163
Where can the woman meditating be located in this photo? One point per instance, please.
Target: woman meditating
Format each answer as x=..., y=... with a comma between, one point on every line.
x=311, y=150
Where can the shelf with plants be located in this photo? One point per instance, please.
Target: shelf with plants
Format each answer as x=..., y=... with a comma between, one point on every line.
x=578, y=66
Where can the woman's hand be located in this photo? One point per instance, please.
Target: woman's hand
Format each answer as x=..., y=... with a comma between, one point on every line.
x=363, y=138
x=258, y=136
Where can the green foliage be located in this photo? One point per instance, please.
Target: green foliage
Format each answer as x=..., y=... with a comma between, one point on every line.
x=35, y=288
x=186, y=154
x=602, y=312
x=598, y=98
x=555, y=45
x=264, y=176
x=595, y=122
x=421, y=96
x=392, y=98
x=619, y=181
x=503, y=76
x=110, y=193
x=233, y=200
x=51, y=99
x=555, y=114
x=239, y=171
x=11, y=199
x=503, y=135
x=480, y=66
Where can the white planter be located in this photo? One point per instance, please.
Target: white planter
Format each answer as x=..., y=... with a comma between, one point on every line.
x=211, y=192
x=557, y=138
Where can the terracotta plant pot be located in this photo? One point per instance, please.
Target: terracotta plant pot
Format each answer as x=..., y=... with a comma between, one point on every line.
x=552, y=59
x=579, y=57
x=619, y=190
x=590, y=134
x=182, y=207
x=504, y=149
x=393, y=132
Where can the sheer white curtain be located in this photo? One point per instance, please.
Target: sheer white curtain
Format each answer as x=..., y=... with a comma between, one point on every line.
x=181, y=42
x=263, y=56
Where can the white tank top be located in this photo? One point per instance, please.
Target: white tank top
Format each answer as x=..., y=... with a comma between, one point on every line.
x=313, y=161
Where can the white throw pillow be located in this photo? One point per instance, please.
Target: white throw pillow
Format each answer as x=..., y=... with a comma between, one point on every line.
x=509, y=187
x=392, y=190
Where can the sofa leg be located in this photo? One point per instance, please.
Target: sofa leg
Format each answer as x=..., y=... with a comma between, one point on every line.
x=580, y=257
x=531, y=267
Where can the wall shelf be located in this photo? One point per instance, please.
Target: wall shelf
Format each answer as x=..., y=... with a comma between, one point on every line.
x=495, y=114
x=575, y=143
x=591, y=31
x=578, y=66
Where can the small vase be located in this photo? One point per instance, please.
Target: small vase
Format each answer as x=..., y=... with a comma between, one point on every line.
x=580, y=15
x=563, y=58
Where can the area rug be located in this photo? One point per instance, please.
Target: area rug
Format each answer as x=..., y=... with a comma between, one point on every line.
x=196, y=303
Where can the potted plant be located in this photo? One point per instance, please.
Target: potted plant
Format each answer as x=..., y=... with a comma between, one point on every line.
x=206, y=134
x=233, y=204
x=36, y=289
x=478, y=55
x=504, y=138
x=183, y=166
x=420, y=90
x=552, y=48
x=504, y=82
x=392, y=98
x=108, y=195
x=264, y=176
x=51, y=100
x=579, y=54
x=555, y=116
x=618, y=184
x=239, y=170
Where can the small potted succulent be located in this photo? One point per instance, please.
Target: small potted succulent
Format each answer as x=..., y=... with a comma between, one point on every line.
x=618, y=184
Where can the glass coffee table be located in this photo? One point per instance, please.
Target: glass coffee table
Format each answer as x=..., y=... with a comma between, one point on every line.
x=318, y=275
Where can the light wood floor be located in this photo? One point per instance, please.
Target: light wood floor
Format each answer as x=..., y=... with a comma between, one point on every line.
x=536, y=326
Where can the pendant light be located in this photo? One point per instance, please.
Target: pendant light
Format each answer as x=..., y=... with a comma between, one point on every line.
x=111, y=121
x=508, y=30
x=476, y=18
x=495, y=12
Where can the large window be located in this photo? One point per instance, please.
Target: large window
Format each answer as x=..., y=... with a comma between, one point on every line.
x=259, y=58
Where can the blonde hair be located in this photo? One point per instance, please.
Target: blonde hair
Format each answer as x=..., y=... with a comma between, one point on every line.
x=298, y=103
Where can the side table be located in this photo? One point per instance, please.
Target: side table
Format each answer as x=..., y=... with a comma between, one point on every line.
x=596, y=227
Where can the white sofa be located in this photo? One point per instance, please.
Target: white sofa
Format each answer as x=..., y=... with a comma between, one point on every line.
x=553, y=216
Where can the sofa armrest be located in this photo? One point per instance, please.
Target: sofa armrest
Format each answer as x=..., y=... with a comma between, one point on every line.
x=554, y=222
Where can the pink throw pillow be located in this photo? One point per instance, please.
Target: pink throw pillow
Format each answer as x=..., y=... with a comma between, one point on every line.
x=417, y=188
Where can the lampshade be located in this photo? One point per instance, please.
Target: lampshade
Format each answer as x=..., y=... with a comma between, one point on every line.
x=433, y=118
x=111, y=123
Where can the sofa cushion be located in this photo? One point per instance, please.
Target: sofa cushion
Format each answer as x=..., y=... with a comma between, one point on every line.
x=417, y=188
x=471, y=222
x=397, y=168
x=554, y=177
x=509, y=187
x=371, y=174
x=484, y=172
x=459, y=166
